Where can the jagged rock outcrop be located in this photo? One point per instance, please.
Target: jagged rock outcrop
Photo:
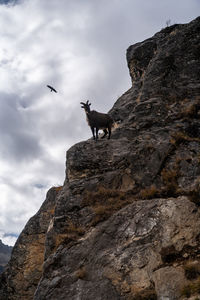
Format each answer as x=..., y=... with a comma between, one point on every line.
x=5, y=252
x=126, y=223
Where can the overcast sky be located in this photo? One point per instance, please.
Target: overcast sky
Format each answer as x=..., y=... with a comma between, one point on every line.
x=79, y=47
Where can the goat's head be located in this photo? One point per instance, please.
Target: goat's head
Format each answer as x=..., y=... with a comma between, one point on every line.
x=86, y=106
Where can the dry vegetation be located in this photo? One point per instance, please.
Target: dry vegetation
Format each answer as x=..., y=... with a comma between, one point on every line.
x=181, y=137
x=105, y=202
x=192, y=270
x=169, y=177
x=58, y=188
x=81, y=273
x=149, y=193
x=170, y=187
x=192, y=273
x=191, y=289
x=73, y=230
x=190, y=111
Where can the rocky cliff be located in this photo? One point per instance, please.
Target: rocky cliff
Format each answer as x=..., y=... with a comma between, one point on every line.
x=125, y=225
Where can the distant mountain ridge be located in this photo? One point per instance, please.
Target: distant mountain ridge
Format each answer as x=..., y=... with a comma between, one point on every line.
x=5, y=253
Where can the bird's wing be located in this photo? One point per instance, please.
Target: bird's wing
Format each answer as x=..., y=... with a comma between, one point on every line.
x=52, y=89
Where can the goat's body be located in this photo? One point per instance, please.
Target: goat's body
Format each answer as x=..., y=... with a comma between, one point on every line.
x=98, y=121
x=103, y=120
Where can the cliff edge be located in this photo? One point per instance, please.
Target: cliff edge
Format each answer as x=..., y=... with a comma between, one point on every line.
x=126, y=223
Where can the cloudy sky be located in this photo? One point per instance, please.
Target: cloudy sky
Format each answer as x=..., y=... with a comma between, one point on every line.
x=79, y=47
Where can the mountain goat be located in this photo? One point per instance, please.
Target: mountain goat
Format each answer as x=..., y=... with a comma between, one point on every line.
x=97, y=121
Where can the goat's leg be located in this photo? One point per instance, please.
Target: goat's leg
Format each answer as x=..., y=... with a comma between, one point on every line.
x=97, y=129
x=109, y=132
x=92, y=128
x=105, y=133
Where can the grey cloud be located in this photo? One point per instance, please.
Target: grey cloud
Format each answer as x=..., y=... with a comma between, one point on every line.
x=18, y=139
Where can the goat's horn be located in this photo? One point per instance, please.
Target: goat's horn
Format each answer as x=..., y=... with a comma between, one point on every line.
x=88, y=102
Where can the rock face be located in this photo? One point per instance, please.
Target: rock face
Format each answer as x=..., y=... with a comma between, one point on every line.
x=126, y=224
x=5, y=252
x=24, y=270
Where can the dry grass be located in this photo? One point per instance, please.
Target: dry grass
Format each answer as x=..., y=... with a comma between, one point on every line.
x=105, y=202
x=58, y=188
x=181, y=137
x=81, y=273
x=192, y=270
x=149, y=193
x=191, y=289
x=190, y=111
x=101, y=195
x=169, y=177
x=74, y=230
x=71, y=233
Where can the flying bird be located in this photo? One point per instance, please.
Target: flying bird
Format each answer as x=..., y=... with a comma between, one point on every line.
x=51, y=88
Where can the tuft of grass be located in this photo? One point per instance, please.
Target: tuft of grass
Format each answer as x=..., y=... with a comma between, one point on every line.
x=192, y=270
x=169, y=178
x=81, y=273
x=149, y=193
x=191, y=289
x=104, y=211
x=58, y=188
x=180, y=137
x=190, y=111
x=92, y=198
x=74, y=230
x=105, y=202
